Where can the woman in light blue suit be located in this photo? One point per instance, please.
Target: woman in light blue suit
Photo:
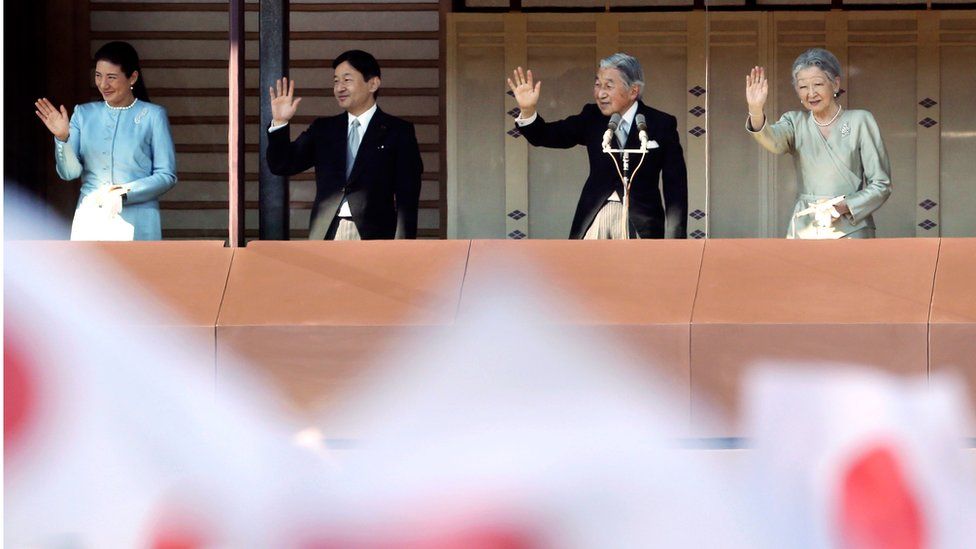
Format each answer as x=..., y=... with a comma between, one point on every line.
x=120, y=147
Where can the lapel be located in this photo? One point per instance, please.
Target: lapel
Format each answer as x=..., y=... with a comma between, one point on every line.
x=338, y=132
x=375, y=133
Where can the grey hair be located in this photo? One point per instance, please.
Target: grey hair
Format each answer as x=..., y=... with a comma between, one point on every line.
x=820, y=58
x=629, y=67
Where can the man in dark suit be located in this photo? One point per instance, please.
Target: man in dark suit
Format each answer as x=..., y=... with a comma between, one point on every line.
x=600, y=211
x=367, y=163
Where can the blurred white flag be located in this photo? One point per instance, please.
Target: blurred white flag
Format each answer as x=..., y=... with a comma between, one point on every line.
x=858, y=459
x=114, y=436
x=512, y=429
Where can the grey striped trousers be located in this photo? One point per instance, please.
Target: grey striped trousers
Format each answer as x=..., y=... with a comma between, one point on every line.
x=347, y=230
x=608, y=223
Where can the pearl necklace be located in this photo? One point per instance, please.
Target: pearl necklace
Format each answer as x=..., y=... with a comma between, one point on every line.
x=823, y=125
x=125, y=108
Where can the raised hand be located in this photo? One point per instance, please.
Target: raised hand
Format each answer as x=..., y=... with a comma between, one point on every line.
x=56, y=120
x=757, y=90
x=526, y=91
x=284, y=104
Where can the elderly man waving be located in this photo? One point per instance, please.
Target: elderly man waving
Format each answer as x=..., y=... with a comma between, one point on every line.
x=599, y=214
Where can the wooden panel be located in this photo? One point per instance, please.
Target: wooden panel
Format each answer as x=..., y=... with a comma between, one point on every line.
x=517, y=212
x=556, y=176
x=957, y=200
x=696, y=151
x=873, y=53
x=479, y=142
x=737, y=197
x=928, y=101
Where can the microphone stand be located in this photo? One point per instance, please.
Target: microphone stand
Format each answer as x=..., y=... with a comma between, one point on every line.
x=626, y=177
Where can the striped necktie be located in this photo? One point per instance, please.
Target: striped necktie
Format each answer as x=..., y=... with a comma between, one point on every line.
x=622, y=135
x=353, y=146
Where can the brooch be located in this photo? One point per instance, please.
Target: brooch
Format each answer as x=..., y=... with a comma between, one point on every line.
x=142, y=114
x=845, y=130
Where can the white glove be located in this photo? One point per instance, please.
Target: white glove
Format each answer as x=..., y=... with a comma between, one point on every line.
x=825, y=214
x=113, y=203
x=108, y=198
x=823, y=210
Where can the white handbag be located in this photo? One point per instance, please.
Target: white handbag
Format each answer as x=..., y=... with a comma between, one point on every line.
x=93, y=221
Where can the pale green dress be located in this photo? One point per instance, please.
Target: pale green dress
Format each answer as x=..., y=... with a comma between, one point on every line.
x=851, y=162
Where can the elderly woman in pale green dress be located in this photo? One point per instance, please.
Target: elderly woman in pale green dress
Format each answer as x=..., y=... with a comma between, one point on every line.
x=842, y=169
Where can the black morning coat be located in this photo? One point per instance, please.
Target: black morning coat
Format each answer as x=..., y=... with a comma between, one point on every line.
x=383, y=189
x=665, y=163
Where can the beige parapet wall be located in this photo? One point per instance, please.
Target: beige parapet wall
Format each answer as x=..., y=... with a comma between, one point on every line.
x=315, y=317
x=183, y=280
x=820, y=302
x=633, y=298
x=952, y=327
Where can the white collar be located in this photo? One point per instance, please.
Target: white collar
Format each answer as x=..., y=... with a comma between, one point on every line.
x=363, y=118
x=630, y=115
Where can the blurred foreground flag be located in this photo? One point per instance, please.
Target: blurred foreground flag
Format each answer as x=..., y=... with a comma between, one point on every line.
x=113, y=433
x=853, y=459
x=514, y=430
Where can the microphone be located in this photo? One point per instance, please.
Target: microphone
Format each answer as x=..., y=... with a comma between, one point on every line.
x=642, y=126
x=611, y=127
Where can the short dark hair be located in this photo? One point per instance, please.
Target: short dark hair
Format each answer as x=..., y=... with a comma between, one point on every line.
x=360, y=60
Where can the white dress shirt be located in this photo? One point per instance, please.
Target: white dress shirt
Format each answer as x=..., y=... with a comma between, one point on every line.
x=625, y=125
x=364, y=119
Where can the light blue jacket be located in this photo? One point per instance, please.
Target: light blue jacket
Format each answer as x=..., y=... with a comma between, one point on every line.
x=131, y=147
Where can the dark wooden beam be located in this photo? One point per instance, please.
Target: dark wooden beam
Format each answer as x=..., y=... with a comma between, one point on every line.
x=219, y=36
x=295, y=64
x=445, y=9
x=273, y=190
x=221, y=7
